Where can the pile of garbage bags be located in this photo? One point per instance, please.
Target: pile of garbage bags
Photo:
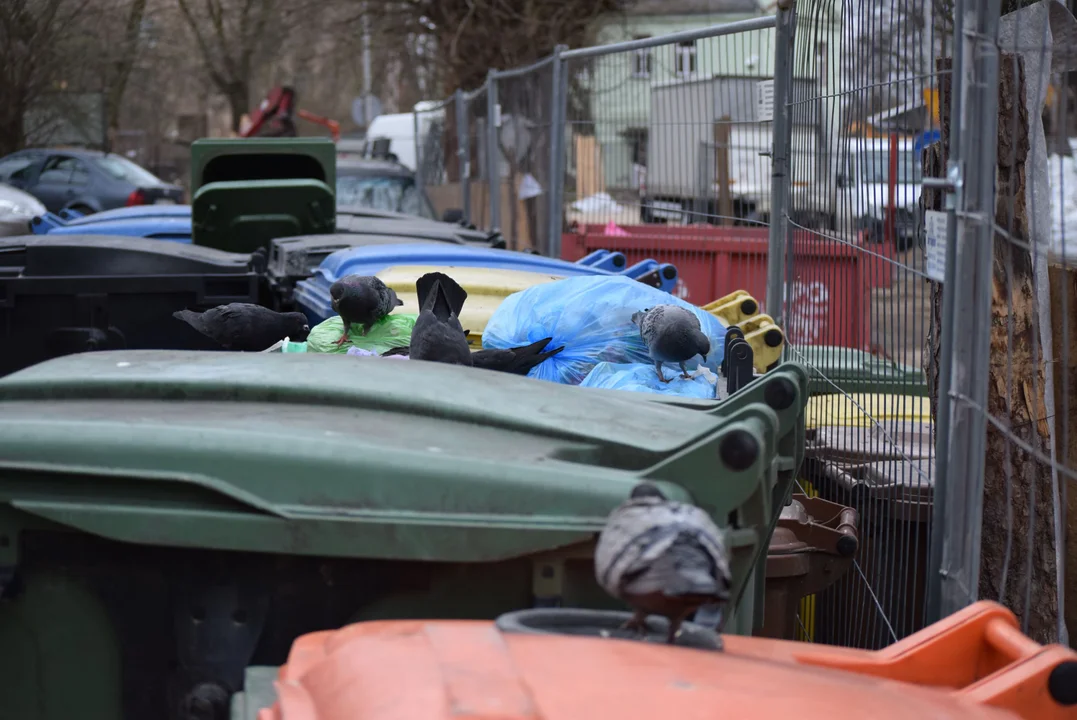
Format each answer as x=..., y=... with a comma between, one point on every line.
x=591, y=316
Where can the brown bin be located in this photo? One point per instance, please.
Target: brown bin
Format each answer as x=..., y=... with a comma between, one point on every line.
x=887, y=474
x=812, y=547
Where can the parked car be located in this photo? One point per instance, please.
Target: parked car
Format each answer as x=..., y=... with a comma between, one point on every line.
x=380, y=185
x=17, y=209
x=87, y=181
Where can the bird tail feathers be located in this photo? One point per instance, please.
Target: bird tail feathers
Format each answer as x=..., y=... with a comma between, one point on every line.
x=440, y=294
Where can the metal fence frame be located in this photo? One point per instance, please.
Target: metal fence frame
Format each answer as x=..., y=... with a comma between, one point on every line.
x=783, y=22
x=954, y=554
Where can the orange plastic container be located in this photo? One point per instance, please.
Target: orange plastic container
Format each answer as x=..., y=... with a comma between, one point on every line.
x=974, y=665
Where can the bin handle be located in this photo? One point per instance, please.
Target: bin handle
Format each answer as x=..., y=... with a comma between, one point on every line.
x=1009, y=641
x=849, y=541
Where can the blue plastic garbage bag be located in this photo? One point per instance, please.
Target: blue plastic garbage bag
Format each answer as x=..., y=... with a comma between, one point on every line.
x=592, y=317
x=643, y=378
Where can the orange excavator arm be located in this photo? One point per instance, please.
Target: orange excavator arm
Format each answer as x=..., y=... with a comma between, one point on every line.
x=274, y=117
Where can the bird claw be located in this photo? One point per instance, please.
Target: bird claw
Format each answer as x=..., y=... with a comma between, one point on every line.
x=686, y=376
x=636, y=624
x=665, y=379
x=343, y=339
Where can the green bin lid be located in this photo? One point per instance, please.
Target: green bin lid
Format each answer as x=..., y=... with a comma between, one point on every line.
x=840, y=369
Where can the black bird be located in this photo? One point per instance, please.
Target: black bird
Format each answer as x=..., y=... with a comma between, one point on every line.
x=437, y=335
x=246, y=327
x=362, y=299
x=517, y=360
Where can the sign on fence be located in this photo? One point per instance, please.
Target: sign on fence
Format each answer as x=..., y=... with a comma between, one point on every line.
x=935, y=226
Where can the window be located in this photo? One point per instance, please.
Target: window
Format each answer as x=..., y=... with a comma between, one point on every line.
x=16, y=167
x=57, y=170
x=80, y=174
x=394, y=194
x=121, y=168
x=685, y=59
x=875, y=168
x=642, y=60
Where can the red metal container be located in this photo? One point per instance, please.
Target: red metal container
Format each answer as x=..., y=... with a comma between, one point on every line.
x=830, y=297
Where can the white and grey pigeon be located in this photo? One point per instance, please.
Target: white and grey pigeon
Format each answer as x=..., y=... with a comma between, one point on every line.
x=662, y=558
x=672, y=334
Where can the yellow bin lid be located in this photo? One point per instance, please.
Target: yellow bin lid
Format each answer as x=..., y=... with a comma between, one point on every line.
x=486, y=288
x=861, y=409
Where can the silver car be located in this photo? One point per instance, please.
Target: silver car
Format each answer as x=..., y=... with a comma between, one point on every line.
x=17, y=209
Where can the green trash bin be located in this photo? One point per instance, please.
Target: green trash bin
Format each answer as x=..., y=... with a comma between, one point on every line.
x=840, y=369
x=169, y=519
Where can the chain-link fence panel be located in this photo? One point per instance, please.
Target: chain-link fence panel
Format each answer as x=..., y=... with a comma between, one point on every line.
x=437, y=161
x=476, y=188
x=524, y=114
x=857, y=299
x=669, y=155
x=1004, y=294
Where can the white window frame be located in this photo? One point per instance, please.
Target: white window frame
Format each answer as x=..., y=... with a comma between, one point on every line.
x=642, y=60
x=685, y=59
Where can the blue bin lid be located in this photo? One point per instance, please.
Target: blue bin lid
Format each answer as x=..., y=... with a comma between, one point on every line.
x=134, y=212
x=177, y=229
x=371, y=259
x=312, y=295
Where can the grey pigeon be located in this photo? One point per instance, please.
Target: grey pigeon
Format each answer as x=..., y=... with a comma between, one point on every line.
x=672, y=334
x=437, y=335
x=246, y=327
x=662, y=558
x=362, y=299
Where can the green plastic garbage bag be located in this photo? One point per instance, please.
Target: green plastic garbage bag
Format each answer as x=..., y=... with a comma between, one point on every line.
x=390, y=332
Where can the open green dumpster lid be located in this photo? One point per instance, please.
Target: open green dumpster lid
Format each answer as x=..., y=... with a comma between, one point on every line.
x=841, y=369
x=341, y=456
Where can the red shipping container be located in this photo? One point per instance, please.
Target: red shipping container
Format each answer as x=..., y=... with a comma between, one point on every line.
x=829, y=304
x=878, y=262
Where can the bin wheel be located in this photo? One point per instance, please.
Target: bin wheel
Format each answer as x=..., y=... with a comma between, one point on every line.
x=605, y=624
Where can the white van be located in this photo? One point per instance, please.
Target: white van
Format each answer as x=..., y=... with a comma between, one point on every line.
x=859, y=198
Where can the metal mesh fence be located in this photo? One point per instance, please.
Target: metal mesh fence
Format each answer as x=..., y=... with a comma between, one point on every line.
x=436, y=160
x=475, y=195
x=669, y=142
x=525, y=112
x=857, y=300
x=1007, y=297
x=900, y=174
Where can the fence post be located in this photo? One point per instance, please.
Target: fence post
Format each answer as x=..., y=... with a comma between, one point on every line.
x=961, y=442
x=463, y=153
x=420, y=181
x=782, y=128
x=556, y=190
x=493, y=149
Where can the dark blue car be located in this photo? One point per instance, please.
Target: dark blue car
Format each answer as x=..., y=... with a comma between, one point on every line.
x=87, y=181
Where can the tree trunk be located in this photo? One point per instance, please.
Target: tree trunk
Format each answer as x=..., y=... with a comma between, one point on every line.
x=238, y=102
x=126, y=61
x=11, y=129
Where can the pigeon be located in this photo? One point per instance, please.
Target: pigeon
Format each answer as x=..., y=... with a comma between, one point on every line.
x=662, y=558
x=246, y=327
x=517, y=360
x=437, y=335
x=362, y=299
x=672, y=334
